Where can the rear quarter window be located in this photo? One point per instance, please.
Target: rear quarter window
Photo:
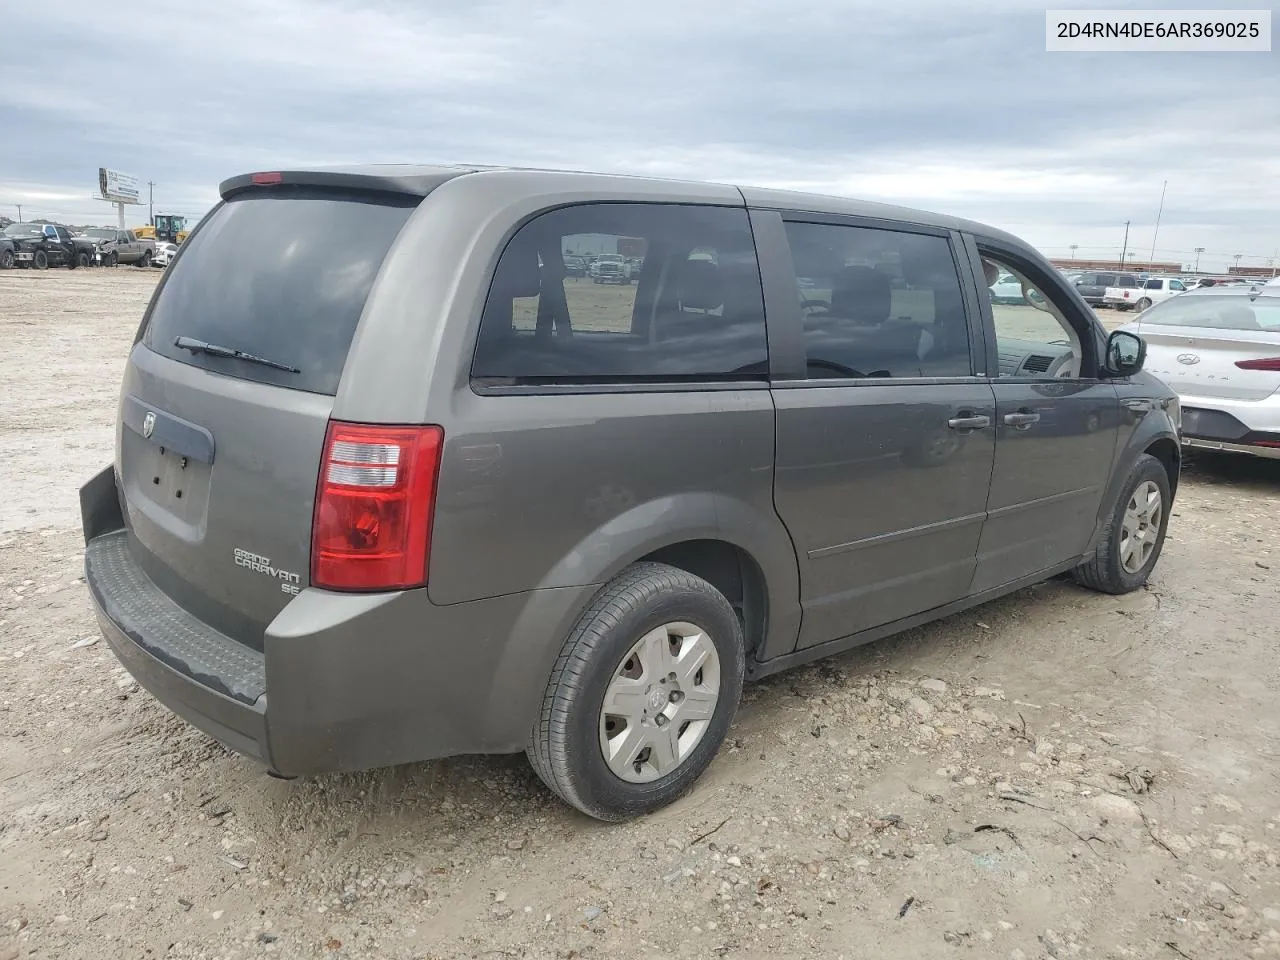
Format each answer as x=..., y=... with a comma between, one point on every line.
x=283, y=275
x=673, y=294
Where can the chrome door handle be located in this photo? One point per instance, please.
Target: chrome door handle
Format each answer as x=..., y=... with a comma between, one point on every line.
x=969, y=423
x=1022, y=419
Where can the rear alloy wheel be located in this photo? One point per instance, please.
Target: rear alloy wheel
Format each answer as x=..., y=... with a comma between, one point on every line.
x=1143, y=304
x=1134, y=536
x=641, y=695
x=40, y=261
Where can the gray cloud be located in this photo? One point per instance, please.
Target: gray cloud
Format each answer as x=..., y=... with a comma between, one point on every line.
x=931, y=104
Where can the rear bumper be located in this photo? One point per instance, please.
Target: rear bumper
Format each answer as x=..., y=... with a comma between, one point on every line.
x=211, y=681
x=345, y=682
x=1237, y=426
x=1271, y=453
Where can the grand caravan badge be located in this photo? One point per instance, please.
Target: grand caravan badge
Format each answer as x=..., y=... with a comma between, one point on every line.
x=289, y=582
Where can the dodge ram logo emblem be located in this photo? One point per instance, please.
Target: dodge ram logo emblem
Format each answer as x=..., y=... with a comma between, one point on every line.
x=1190, y=359
x=149, y=424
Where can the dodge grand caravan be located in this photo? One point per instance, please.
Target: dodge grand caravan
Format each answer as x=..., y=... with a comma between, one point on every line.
x=390, y=485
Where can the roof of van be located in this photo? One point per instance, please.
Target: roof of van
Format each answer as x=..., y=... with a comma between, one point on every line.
x=421, y=179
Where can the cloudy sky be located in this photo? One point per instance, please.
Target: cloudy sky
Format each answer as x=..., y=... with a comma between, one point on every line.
x=926, y=103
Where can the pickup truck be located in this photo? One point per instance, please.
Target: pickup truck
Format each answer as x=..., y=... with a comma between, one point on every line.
x=1093, y=284
x=43, y=245
x=1152, y=290
x=121, y=246
x=610, y=268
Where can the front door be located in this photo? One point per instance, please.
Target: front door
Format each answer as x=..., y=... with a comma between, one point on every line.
x=1056, y=426
x=885, y=448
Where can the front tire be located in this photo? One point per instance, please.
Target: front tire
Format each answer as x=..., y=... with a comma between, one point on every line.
x=6, y=260
x=112, y=259
x=145, y=261
x=41, y=260
x=81, y=260
x=642, y=694
x=1134, y=535
x=1143, y=304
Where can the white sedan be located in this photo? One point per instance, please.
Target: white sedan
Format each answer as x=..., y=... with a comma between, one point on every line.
x=1219, y=348
x=164, y=254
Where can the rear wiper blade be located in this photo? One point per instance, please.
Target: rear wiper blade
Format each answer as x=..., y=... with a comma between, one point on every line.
x=214, y=350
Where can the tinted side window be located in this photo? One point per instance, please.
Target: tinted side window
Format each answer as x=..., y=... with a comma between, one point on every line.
x=672, y=293
x=1125, y=281
x=879, y=303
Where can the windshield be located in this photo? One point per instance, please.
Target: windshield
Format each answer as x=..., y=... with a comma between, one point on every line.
x=283, y=276
x=24, y=230
x=1217, y=313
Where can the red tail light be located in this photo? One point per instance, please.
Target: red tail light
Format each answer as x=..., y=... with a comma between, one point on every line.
x=1270, y=363
x=374, y=503
x=266, y=179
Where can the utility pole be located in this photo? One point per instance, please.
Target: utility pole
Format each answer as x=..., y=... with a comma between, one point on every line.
x=1124, y=249
x=1074, y=248
x=151, y=196
x=1159, y=213
x=1238, y=256
x=1199, y=250
x=19, y=206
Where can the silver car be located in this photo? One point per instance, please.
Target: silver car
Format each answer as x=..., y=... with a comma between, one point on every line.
x=1219, y=348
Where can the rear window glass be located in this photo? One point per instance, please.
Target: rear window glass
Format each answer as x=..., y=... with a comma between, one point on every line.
x=672, y=292
x=1217, y=313
x=284, y=277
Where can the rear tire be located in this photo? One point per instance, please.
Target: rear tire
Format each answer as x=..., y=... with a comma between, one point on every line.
x=616, y=649
x=1130, y=545
x=41, y=260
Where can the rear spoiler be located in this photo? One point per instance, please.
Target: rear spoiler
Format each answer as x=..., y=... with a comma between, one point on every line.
x=411, y=182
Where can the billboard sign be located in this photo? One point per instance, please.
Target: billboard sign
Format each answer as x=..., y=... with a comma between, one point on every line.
x=118, y=187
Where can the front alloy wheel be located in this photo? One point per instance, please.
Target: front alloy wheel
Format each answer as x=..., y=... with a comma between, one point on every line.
x=1140, y=527
x=1129, y=544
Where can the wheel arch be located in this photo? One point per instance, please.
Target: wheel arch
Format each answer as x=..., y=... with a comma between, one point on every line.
x=1155, y=440
x=725, y=540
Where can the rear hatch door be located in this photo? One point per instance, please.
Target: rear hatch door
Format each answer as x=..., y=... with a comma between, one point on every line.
x=218, y=454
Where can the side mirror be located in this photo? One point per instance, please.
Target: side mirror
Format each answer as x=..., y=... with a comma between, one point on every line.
x=1126, y=353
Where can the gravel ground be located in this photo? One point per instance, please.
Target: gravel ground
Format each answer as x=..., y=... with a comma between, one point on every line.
x=1055, y=774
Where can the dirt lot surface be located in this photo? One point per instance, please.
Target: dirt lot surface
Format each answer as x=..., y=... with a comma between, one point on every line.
x=1056, y=774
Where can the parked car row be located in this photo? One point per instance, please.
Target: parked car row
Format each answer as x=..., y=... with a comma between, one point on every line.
x=39, y=246
x=1129, y=291
x=43, y=245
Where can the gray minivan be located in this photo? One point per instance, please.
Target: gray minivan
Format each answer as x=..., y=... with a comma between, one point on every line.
x=390, y=486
